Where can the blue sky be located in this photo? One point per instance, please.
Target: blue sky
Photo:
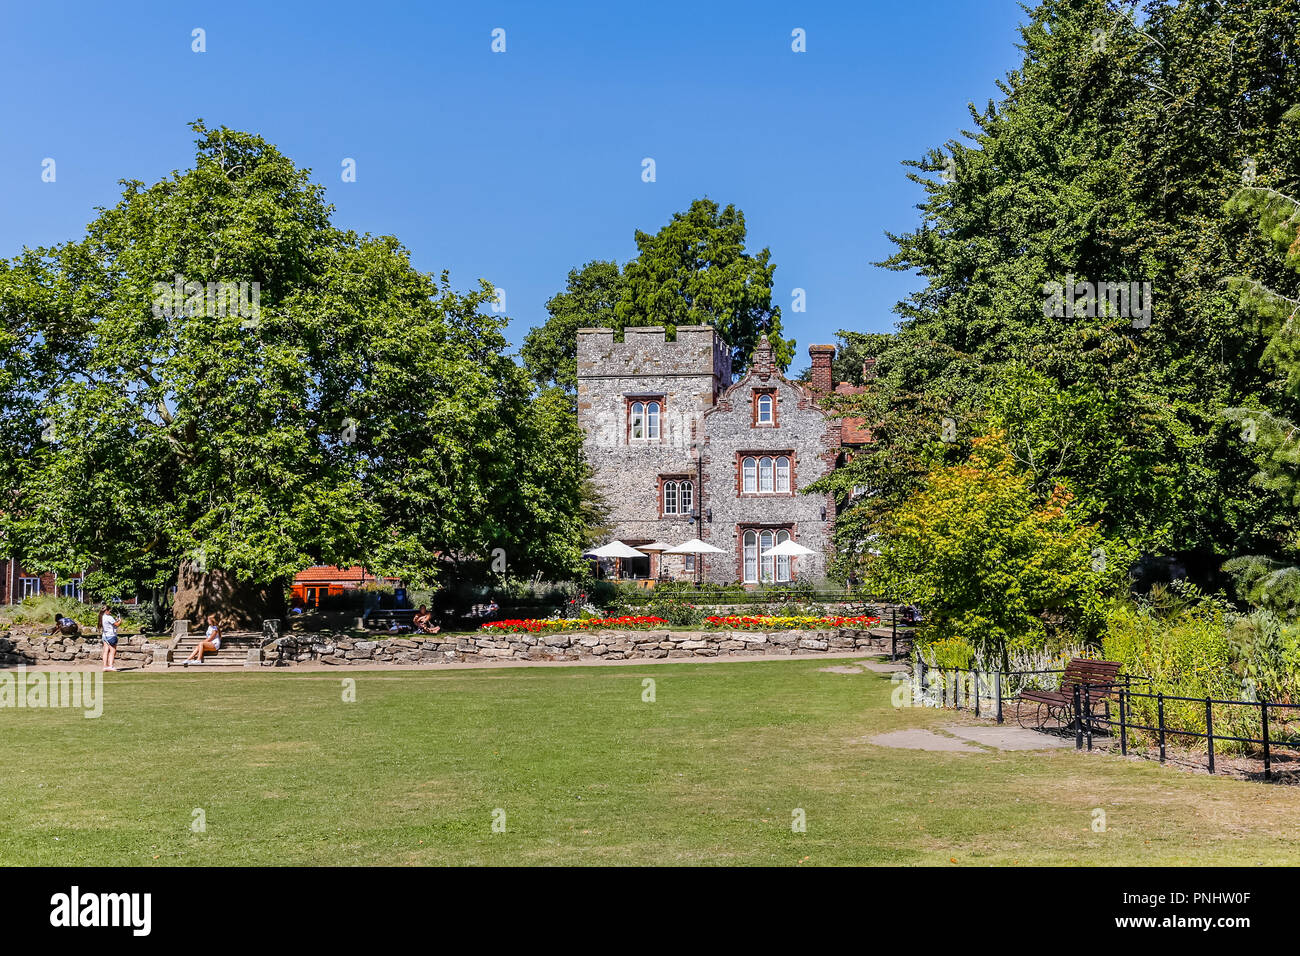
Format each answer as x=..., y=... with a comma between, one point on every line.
x=518, y=166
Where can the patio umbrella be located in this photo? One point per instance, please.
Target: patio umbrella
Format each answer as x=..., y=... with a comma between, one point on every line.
x=656, y=546
x=696, y=546
x=788, y=549
x=618, y=550
x=615, y=549
x=653, y=548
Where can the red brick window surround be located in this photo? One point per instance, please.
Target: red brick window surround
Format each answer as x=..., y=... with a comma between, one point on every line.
x=676, y=495
x=645, y=414
x=765, y=473
x=754, y=568
x=764, y=408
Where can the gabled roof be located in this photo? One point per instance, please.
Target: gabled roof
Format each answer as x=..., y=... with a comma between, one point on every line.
x=853, y=431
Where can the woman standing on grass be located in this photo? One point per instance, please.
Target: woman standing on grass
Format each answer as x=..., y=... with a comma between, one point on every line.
x=211, y=642
x=108, y=634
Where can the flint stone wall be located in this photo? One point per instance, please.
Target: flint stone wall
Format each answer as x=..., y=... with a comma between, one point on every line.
x=135, y=650
x=582, y=645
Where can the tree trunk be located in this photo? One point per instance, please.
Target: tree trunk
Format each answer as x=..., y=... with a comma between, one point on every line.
x=238, y=605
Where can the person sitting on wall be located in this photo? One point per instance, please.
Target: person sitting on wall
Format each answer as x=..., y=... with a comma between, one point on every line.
x=423, y=621
x=210, y=644
x=65, y=626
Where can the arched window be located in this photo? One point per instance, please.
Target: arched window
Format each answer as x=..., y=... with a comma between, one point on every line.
x=763, y=411
x=751, y=557
x=643, y=421
x=679, y=497
x=776, y=568
x=765, y=475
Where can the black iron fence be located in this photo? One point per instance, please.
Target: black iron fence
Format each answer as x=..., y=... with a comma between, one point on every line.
x=1116, y=710
x=1241, y=717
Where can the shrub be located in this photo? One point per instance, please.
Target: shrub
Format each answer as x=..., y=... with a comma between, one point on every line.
x=676, y=613
x=995, y=563
x=1184, y=654
x=41, y=608
x=949, y=652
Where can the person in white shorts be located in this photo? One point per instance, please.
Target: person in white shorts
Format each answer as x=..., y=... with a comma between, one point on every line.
x=210, y=644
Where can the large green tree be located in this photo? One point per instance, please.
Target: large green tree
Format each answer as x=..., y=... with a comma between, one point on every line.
x=341, y=407
x=1270, y=295
x=1108, y=158
x=587, y=302
x=693, y=271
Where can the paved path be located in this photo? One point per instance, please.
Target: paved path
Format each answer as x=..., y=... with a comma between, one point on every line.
x=970, y=738
x=345, y=669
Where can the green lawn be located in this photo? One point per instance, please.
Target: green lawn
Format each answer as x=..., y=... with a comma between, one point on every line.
x=586, y=772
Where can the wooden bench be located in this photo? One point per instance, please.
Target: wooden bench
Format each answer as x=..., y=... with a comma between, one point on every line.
x=482, y=613
x=1100, y=678
x=385, y=618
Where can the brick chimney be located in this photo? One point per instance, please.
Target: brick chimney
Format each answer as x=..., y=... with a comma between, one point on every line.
x=762, y=361
x=822, y=382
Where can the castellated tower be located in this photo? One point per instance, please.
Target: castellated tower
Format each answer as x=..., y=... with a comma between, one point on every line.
x=641, y=404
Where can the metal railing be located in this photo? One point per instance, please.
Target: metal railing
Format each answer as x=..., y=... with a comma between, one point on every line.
x=1266, y=741
x=986, y=692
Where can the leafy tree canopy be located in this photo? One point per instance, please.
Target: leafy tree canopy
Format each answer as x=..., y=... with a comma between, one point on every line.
x=1108, y=159
x=340, y=406
x=993, y=562
x=693, y=271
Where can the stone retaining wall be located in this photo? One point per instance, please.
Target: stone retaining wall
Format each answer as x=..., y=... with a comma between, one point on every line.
x=344, y=649
x=15, y=649
x=581, y=645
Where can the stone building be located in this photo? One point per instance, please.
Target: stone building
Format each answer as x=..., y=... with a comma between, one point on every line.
x=682, y=450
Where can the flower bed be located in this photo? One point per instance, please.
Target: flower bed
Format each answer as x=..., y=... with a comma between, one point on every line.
x=737, y=622
x=535, y=625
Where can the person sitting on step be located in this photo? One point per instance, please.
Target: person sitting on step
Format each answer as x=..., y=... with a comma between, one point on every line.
x=210, y=644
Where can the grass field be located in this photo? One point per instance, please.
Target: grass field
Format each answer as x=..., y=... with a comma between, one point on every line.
x=285, y=772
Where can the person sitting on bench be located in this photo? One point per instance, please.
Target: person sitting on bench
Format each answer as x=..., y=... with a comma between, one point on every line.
x=210, y=644
x=423, y=621
x=484, y=612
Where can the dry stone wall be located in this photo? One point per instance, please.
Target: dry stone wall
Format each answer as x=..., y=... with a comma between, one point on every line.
x=17, y=648
x=611, y=645
x=344, y=649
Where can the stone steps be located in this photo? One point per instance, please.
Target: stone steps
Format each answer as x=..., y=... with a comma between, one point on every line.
x=233, y=653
